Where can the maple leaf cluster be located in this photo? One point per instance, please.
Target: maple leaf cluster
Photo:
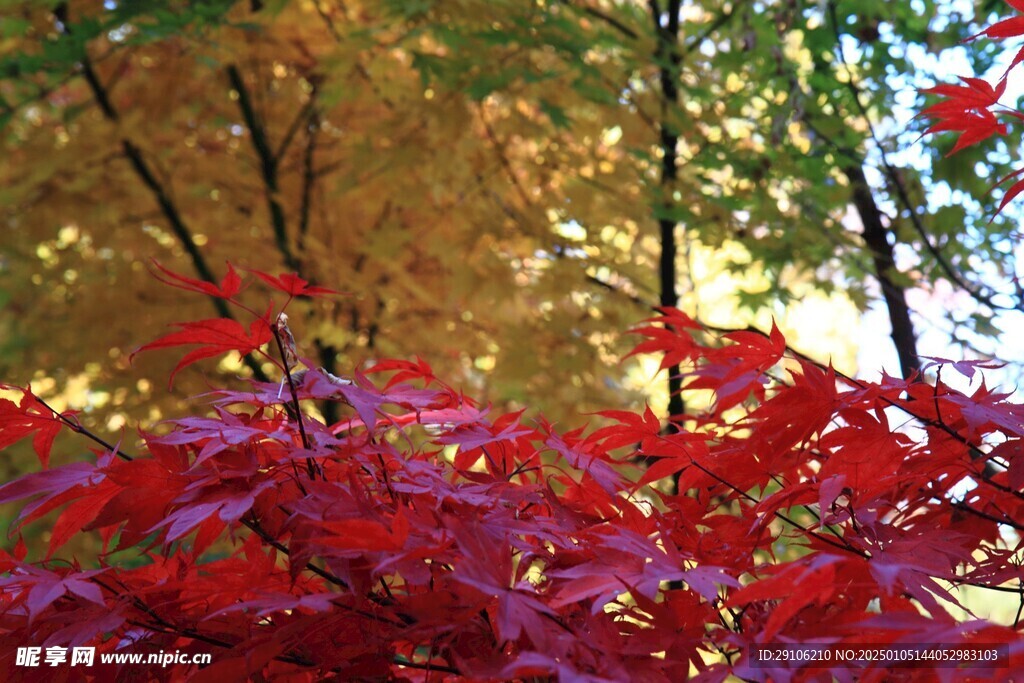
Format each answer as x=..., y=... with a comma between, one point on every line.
x=973, y=109
x=422, y=537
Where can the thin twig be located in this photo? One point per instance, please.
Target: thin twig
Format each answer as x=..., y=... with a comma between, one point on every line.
x=312, y=468
x=605, y=17
x=77, y=427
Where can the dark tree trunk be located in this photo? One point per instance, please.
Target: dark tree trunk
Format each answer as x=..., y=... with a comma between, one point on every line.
x=876, y=235
x=669, y=59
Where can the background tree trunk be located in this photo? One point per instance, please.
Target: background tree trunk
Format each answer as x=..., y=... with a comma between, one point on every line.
x=876, y=235
x=669, y=59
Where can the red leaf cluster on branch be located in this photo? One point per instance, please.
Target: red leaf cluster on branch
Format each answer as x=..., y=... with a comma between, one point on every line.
x=429, y=539
x=973, y=109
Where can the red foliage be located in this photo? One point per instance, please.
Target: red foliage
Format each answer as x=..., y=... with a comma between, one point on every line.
x=423, y=538
x=973, y=109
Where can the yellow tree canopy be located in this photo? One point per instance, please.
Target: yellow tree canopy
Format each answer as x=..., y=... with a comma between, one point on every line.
x=482, y=178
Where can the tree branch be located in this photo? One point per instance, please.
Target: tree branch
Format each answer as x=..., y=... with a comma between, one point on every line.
x=605, y=17
x=167, y=206
x=268, y=167
x=876, y=236
x=269, y=164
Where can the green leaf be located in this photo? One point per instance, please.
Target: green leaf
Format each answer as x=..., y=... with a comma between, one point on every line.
x=555, y=113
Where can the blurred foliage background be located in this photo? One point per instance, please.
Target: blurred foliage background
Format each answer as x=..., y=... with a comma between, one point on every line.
x=487, y=179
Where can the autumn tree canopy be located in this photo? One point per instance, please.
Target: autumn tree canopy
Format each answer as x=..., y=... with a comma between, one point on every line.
x=501, y=186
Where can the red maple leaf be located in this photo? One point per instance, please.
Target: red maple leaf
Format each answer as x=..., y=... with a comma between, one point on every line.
x=967, y=111
x=229, y=286
x=214, y=336
x=293, y=285
x=28, y=416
